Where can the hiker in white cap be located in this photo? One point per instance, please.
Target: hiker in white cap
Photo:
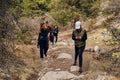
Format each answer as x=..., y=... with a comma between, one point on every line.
x=79, y=36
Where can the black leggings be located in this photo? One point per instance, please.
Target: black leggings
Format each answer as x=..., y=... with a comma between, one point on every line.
x=56, y=38
x=43, y=48
x=43, y=51
x=79, y=51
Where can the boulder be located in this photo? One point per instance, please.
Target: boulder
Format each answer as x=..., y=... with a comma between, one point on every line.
x=96, y=48
x=64, y=55
x=60, y=75
x=74, y=68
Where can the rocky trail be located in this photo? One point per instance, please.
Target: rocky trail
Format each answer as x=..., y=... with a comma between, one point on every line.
x=58, y=64
x=20, y=25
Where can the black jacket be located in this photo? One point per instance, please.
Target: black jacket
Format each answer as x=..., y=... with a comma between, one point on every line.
x=43, y=35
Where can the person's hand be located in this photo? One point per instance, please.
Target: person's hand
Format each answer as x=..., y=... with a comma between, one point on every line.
x=79, y=37
x=38, y=46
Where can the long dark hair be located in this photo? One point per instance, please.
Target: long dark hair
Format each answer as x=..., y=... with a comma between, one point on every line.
x=41, y=26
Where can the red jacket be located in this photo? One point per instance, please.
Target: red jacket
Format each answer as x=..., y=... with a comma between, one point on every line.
x=49, y=27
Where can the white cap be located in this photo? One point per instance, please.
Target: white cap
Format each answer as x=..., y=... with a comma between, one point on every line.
x=77, y=25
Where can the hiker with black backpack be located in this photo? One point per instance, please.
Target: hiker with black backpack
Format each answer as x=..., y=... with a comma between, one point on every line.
x=56, y=31
x=43, y=42
x=52, y=35
x=79, y=36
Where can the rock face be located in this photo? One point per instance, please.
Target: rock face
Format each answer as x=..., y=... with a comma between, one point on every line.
x=61, y=75
x=64, y=55
x=109, y=59
x=103, y=76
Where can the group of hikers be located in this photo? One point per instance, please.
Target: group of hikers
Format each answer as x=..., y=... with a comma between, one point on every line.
x=79, y=36
x=47, y=34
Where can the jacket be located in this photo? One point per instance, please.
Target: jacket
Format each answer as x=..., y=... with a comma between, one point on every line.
x=79, y=42
x=43, y=35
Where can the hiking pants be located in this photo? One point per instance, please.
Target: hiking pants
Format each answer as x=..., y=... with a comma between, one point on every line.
x=43, y=48
x=52, y=38
x=56, y=37
x=79, y=52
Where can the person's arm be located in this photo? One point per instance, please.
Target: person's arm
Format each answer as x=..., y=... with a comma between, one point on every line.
x=38, y=40
x=57, y=31
x=84, y=38
x=73, y=36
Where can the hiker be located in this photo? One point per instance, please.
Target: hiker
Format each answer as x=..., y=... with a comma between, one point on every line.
x=56, y=31
x=43, y=40
x=79, y=36
x=52, y=35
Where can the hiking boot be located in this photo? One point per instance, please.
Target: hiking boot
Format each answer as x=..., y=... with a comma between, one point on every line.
x=74, y=64
x=80, y=71
x=45, y=55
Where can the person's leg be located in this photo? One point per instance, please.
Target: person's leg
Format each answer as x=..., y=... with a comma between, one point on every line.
x=45, y=51
x=50, y=38
x=76, y=55
x=55, y=35
x=53, y=39
x=41, y=51
x=80, y=58
x=56, y=38
x=41, y=48
x=46, y=46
